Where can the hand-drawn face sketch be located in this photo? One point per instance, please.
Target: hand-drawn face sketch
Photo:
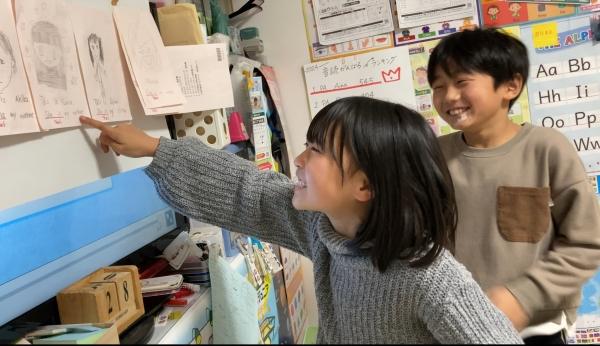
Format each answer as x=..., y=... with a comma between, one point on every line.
x=147, y=55
x=48, y=55
x=8, y=65
x=146, y=52
x=97, y=58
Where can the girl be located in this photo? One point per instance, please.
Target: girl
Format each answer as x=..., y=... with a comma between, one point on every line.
x=373, y=208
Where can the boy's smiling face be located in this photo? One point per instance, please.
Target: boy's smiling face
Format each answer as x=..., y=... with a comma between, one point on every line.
x=468, y=101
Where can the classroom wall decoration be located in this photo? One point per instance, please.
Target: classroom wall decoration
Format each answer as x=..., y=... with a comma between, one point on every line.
x=50, y=56
x=59, y=61
x=421, y=21
x=381, y=74
x=148, y=62
x=339, y=21
x=101, y=66
x=564, y=88
x=319, y=51
x=502, y=12
x=17, y=114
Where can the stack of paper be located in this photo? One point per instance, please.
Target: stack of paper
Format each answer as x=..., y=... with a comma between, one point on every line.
x=147, y=60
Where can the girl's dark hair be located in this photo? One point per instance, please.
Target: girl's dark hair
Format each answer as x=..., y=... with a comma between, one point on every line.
x=488, y=51
x=412, y=215
x=94, y=38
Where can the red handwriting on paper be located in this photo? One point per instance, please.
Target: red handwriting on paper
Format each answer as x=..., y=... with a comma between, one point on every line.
x=391, y=75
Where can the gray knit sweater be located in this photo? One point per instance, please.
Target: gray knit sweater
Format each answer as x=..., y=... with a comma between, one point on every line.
x=357, y=303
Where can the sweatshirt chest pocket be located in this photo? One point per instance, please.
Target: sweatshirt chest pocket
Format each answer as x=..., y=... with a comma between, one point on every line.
x=523, y=213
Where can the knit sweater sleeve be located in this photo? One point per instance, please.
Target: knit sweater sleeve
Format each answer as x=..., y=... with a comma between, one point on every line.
x=222, y=189
x=458, y=311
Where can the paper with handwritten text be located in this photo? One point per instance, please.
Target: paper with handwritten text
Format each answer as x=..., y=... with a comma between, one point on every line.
x=16, y=106
x=50, y=56
x=101, y=66
x=147, y=58
x=383, y=74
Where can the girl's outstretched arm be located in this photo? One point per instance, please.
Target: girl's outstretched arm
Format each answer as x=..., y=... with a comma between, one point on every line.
x=216, y=187
x=123, y=139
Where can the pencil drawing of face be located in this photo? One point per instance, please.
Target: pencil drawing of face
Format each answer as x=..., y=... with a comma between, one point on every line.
x=97, y=58
x=145, y=52
x=8, y=65
x=95, y=48
x=148, y=55
x=48, y=55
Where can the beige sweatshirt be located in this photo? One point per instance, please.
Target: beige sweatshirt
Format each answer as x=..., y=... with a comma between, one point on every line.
x=528, y=219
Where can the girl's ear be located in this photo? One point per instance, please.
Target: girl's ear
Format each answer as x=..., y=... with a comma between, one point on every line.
x=362, y=188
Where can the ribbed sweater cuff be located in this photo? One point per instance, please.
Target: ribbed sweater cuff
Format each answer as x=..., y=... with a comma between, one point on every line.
x=162, y=157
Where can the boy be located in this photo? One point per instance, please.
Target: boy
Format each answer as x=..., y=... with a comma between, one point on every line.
x=529, y=223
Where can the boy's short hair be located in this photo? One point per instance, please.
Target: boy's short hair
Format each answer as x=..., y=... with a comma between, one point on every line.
x=412, y=215
x=489, y=51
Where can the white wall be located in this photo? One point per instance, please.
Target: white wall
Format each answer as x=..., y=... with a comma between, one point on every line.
x=281, y=27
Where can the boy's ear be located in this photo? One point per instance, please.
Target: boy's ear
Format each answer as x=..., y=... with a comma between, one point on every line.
x=362, y=188
x=514, y=86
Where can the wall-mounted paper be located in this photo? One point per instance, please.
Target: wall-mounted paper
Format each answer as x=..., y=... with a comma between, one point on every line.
x=319, y=51
x=202, y=72
x=416, y=12
x=16, y=106
x=341, y=20
x=98, y=48
x=234, y=304
x=147, y=58
x=564, y=91
x=383, y=74
x=46, y=37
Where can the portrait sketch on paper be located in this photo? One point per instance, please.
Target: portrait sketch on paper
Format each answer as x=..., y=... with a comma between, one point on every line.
x=97, y=60
x=48, y=55
x=8, y=64
x=146, y=54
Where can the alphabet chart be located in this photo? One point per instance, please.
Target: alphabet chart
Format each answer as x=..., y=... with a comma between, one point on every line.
x=564, y=88
x=383, y=74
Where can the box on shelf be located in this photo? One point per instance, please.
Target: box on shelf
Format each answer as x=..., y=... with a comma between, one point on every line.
x=108, y=295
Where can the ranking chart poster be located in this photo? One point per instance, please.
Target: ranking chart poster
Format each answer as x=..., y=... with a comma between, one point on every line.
x=564, y=90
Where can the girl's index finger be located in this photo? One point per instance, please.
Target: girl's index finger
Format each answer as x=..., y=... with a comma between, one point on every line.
x=93, y=123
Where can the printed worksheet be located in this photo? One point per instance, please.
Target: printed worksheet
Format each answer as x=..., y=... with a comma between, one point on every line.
x=202, y=72
x=320, y=51
x=101, y=65
x=46, y=38
x=420, y=12
x=147, y=58
x=344, y=20
x=16, y=107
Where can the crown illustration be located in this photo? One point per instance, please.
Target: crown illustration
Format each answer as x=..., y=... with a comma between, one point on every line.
x=391, y=75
